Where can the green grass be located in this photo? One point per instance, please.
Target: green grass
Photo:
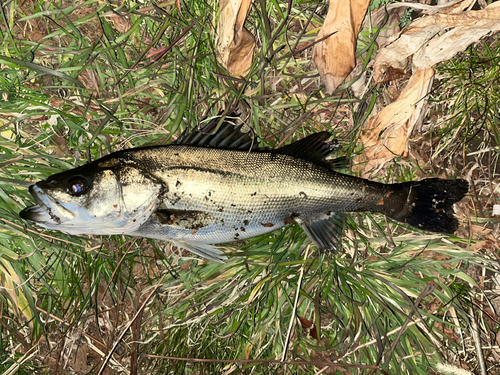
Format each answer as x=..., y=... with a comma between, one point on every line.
x=89, y=84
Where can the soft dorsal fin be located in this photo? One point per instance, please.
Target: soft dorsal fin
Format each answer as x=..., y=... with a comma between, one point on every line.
x=228, y=135
x=338, y=163
x=314, y=148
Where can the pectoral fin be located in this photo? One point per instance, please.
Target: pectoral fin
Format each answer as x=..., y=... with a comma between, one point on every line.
x=181, y=228
x=325, y=231
x=206, y=251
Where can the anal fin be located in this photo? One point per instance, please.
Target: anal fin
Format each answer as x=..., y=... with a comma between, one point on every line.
x=325, y=231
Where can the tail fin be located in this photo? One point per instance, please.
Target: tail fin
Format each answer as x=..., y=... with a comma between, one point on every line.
x=425, y=204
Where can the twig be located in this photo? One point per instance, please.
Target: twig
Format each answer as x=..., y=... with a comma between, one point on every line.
x=292, y=320
x=477, y=342
x=136, y=336
x=244, y=361
x=428, y=289
x=416, y=321
x=57, y=319
x=129, y=324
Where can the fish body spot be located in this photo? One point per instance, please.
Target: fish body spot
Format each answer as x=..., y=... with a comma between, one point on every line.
x=246, y=222
x=291, y=218
x=267, y=225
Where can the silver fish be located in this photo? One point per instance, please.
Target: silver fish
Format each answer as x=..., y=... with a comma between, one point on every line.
x=207, y=189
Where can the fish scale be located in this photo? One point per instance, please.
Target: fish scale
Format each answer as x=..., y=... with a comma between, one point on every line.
x=236, y=193
x=199, y=194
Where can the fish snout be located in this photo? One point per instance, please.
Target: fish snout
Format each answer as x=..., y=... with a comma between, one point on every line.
x=47, y=210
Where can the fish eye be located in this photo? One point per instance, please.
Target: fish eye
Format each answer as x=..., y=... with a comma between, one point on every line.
x=77, y=186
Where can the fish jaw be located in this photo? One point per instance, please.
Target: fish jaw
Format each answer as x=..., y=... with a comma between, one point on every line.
x=48, y=211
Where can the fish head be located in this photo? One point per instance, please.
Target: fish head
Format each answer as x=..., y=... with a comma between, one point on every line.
x=107, y=196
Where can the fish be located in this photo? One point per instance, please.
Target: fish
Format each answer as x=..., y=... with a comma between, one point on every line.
x=218, y=186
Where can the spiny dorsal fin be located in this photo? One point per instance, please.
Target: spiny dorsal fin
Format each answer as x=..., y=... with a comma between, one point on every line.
x=228, y=135
x=315, y=148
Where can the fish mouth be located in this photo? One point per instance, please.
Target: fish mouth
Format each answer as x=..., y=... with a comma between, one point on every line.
x=47, y=212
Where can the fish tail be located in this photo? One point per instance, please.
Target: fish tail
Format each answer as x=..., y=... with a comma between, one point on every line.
x=425, y=204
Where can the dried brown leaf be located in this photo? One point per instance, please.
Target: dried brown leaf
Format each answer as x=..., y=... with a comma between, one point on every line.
x=121, y=23
x=234, y=44
x=309, y=326
x=386, y=134
x=479, y=232
x=434, y=39
x=80, y=361
x=390, y=28
x=90, y=80
x=335, y=56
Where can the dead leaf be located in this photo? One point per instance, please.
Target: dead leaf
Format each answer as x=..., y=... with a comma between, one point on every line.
x=185, y=266
x=234, y=44
x=248, y=351
x=479, y=232
x=447, y=331
x=482, y=245
x=434, y=39
x=90, y=80
x=309, y=326
x=390, y=28
x=335, y=56
x=386, y=134
x=80, y=361
x=121, y=23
